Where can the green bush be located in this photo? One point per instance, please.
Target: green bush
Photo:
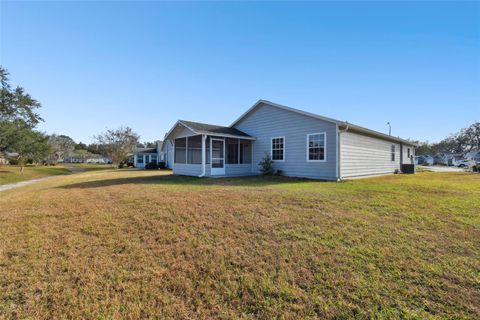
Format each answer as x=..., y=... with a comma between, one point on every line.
x=266, y=164
x=151, y=166
x=12, y=161
x=162, y=165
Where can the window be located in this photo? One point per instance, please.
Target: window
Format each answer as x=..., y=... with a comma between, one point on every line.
x=393, y=152
x=153, y=158
x=278, y=149
x=180, y=150
x=316, y=146
x=140, y=158
x=408, y=152
x=194, y=146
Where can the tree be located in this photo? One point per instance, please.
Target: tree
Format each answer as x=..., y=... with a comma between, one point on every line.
x=17, y=119
x=118, y=144
x=16, y=105
x=62, y=146
x=81, y=146
x=30, y=145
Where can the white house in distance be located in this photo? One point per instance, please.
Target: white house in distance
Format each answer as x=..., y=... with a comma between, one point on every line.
x=143, y=156
x=302, y=144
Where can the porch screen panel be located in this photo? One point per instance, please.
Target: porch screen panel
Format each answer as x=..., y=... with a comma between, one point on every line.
x=245, y=152
x=180, y=150
x=232, y=151
x=194, y=150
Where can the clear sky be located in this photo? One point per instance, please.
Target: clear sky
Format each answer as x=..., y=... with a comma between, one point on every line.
x=97, y=65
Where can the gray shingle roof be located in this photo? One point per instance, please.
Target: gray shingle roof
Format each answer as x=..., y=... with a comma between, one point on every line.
x=213, y=129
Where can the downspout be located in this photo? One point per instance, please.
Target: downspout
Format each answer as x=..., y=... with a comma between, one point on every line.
x=204, y=137
x=339, y=163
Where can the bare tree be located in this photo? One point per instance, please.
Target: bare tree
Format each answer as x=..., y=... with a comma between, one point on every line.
x=118, y=144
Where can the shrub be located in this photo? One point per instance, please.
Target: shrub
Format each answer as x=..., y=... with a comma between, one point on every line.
x=266, y=164
x=13, y=162
x=162, y=165
x=151, y=166
x=476, y=168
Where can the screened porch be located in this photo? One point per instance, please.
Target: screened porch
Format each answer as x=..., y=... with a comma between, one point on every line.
x=222, y=156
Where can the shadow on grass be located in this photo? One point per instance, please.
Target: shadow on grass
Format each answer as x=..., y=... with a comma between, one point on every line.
x=250, y=181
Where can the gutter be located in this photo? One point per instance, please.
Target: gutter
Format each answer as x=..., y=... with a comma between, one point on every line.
x=339, y=164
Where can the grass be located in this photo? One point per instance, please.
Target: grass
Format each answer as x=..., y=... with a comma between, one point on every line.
x=12, y=174
x=139, y=244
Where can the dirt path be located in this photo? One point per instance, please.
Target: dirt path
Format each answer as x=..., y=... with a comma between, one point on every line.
x=19, y=184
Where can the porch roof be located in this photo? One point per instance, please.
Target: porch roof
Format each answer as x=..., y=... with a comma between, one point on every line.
x=212, y=130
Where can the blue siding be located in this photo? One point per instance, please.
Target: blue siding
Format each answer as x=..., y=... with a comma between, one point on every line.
x=187, y=169
x=267, y=121
x=232, y=170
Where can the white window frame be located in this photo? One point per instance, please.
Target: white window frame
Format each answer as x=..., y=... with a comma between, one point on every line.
x=324, y=147
x=271, y=148
x=393, y=152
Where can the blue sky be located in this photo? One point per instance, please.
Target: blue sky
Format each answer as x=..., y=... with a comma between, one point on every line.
x=97, y=65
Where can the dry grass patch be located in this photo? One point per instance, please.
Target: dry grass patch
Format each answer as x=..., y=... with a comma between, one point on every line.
x=130, y=244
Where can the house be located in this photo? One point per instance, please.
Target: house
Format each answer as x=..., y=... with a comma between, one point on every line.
x=302, y=144
x=424, y=160
x=87, y=158
x=447, y=159
x=473, y=156
x=143, y=156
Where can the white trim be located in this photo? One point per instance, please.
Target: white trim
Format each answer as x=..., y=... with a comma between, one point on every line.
x=316, y=116
x=324, y=146
x=271, y=148
x=337, y=162
x=225, y=135
x=196, y=132
x=308, y=114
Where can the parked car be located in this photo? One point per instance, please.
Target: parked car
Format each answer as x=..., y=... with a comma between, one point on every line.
x=462, y=163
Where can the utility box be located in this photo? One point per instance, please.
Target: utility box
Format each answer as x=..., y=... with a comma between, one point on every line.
x=408, y=168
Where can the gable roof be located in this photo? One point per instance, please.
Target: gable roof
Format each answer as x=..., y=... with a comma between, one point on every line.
x=211, y=129
x=343, y=124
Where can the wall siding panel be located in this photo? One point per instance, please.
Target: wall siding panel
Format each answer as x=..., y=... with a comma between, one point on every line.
x=362, y=155
x=268, y=121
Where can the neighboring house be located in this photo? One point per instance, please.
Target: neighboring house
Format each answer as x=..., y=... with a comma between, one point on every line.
x=143, y=156
x=447, y=159
x=424, y=160
x=167, y=149
x=301, y=144
x=473, y=156
x=80, y=159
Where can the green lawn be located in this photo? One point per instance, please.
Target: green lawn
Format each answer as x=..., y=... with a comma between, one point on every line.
x=140, y=244
x=11, y=174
